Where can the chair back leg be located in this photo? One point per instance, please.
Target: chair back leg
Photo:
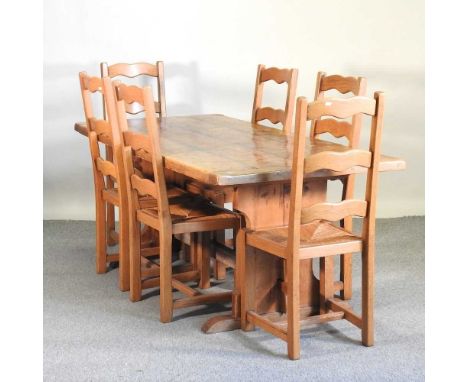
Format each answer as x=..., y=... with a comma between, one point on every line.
x=368, y=297
x=135, y=259
x=293, y=333
x=101, y=243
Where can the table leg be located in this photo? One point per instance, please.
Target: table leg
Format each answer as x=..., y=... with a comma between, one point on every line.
x=267, y=205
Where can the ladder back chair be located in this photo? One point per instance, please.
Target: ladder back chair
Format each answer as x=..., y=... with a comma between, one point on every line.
x=351, y=131
x=174, y=214
x=112, y=193
x=259, y=113
x=310, y=232
x=283, y=116
x=132, y=71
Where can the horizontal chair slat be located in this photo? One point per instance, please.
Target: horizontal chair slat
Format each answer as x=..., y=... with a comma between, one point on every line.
x=337, y=161
x=336, y=128
x=106, y=168
x=133, y=70
x=342, y=84
x=341, y=108
x=143, y=186
x=93, y=84
x=136, y=141
x=130, y=94
x=100, y=126
x=275, y=74
x=333, y=211
x=273, y=115
x=135, y=108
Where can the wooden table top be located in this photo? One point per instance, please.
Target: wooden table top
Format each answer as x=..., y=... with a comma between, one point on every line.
x=219, y=150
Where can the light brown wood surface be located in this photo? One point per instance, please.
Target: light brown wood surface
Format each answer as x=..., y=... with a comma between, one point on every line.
x=309, y=232
x=283, y=116
x=219, y=150
x=130, y=71
x=223, y=151
x=109, y=179
x=180, y=214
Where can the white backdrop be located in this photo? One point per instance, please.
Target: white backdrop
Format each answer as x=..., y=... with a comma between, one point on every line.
x=211, y=50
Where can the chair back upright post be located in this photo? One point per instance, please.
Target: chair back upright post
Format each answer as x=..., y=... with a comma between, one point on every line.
x=283, y=116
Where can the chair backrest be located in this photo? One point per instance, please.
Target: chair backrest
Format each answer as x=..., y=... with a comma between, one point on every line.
x=146, y=147
x=283, y=116
x=103, y=131
x=350, y=130
x=136, y=70
x=347, y=161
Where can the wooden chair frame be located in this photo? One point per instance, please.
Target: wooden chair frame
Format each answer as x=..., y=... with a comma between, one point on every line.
x=259, y=113
x=148, y=148
x=280, y=76
x=102, y=131
x=331, y=308
x=352, y=131
x=131, y=71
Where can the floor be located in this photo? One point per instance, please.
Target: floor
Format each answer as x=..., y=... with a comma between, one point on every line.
x=92, y=332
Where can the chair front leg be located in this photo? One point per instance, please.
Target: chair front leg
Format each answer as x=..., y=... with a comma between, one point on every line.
x=165, y=286
x=368, y=296
x=135, y=258
x=124, y=250
x=292, y=308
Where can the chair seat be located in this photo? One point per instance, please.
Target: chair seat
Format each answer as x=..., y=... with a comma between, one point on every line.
x=318, y=239
x=191, y=213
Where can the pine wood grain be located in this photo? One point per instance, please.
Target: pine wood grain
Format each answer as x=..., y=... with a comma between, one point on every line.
x=222, y=151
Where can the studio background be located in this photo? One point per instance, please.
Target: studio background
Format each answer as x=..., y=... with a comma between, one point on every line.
x=211, y=50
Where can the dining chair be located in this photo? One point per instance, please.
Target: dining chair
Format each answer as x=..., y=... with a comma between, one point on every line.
x=112, y=193
x=173, y=215
x=283, y=116
x=141, y=69
x=351, y=131
x=259, y=113
x=310, y=232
